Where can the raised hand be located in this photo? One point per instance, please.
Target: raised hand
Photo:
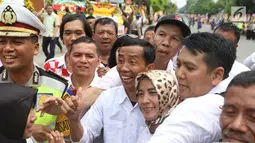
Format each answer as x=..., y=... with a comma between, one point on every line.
x=52, y=105
x=41, y=133
x=56, y=137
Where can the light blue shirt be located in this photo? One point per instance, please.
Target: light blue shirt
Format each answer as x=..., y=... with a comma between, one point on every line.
x=113, y=112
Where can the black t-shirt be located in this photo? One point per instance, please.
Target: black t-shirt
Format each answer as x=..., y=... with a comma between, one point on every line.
x=127, y=24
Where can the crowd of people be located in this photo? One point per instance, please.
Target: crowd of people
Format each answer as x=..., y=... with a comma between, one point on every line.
x=169, y=86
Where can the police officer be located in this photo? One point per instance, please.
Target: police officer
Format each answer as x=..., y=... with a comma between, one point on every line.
x=19, y=31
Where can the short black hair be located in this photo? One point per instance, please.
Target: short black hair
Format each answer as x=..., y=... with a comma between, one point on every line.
x=67, y=9
x=48, y=4
x=104, y=21
x=148, y=49
x=124, y=14
x=84, y=39
x=90, y=17
x=78, y=8
x=244, y=79
x=219, y=52
x=230, y=27
x=150, y=28
x=68, y=18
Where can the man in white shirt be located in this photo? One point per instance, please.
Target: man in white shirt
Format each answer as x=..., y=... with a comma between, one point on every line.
x=51, y=22
x=116, y=110
x=237, y=117
x=232, y=33
x=168, y=34
x=203, y=68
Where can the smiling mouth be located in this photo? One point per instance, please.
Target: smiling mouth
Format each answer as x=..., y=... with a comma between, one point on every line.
x=9, y=57
x=148, y=109
x=182, y=86
x=126, y=78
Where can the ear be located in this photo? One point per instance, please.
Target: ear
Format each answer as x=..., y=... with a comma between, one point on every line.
x=152, y=38
x=150, y=67
x=217, y=75
x=93, y=35
x=236, y=45
x=36, y=49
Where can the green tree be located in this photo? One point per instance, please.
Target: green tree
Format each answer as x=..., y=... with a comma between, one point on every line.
x=170, y=8
x=203, y=6
x=163, y=5
x=250, y=5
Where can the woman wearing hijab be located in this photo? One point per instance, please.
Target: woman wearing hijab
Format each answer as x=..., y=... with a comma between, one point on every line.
x=18, y=115
x=157, y=93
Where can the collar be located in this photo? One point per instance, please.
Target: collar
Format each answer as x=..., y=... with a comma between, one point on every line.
x=93, y=82
x=221, y=87
x=62, y=61
x=34, y=80
x=122, y=95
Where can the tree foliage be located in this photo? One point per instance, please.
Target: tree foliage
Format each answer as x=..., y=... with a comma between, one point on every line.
x=163, y=5
x=204, y=6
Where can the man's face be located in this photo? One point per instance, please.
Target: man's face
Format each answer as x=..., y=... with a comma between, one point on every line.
x=149, y=35
x=238, y=115
x=49, y=9
x=192, y=74
x=72, y=31
x=91, y=23
x=90, y=12
x=130, y=63
x=17, y=52
x=105, y=36
x=168, y=41
x=84, y=59
x=230, y=35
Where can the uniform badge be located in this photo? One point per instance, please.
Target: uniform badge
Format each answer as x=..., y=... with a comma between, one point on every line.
x=9, y=16
x=5, y=76
x=36, y=78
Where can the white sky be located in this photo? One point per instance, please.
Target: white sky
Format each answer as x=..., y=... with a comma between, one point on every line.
x=181, y=3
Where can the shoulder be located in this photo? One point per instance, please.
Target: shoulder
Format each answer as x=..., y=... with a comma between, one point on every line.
x=209, y=103
x=238, y=68
x=52, y=63
x=114, y=91
x=51, y=75
x=113, y=94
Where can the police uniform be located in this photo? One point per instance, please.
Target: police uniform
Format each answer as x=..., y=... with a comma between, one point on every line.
x=18, y=21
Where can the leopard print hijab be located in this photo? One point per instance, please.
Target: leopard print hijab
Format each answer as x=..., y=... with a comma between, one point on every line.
x=167, y=89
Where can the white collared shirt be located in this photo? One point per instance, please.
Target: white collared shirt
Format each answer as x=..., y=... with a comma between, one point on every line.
x=195, y=120
x=238, y=68
x=93, y=82
x=110, y=80
x=1, y=64
x=113, y=112
x=50, y=22
x=145, y=136
x=250, y=61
